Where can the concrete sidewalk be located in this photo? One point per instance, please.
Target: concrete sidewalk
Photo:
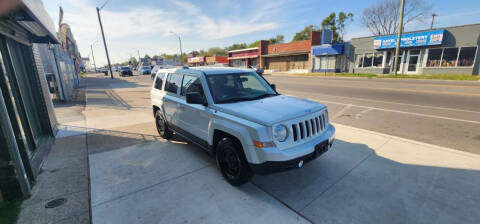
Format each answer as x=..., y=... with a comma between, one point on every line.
x=367, y=177
x=137, y=177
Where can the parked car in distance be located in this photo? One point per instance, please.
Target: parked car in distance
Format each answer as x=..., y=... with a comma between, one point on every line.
x=237, y=116
x=125, y=71
x=145, y=70
x=156, y=68
x=257, y=69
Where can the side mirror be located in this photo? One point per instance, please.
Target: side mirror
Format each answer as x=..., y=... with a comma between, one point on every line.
x=274, y=87
x=196, y=98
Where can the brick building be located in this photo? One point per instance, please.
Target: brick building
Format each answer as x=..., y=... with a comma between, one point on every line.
x=196, y=61
x=293, y=56
x=244, y=57
x=216, y=60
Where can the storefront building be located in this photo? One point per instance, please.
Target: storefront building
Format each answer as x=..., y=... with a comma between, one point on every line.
x=27, y=121
x=288, y=57
x=330, y=58
x=450, y=50
x=216, y=60
x=196, y=61
x=244, y=57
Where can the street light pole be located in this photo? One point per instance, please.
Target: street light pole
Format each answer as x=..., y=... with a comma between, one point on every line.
x=433, y=18
x=400, y=31
x=93, y=57
x=104, y=42
x=180, y=40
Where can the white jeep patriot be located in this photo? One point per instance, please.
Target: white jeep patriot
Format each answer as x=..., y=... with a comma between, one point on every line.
x=236, y=115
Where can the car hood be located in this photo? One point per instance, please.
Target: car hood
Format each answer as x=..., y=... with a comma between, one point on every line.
x=271, y=110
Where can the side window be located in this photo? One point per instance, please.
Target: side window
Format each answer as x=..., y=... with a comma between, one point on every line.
x=159, y=81
x=173, y=82
x=191, y=84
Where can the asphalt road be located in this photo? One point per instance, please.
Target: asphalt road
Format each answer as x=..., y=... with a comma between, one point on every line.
x=444, y=113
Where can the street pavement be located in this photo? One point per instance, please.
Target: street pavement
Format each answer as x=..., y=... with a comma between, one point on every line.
x=444, y=113
x=367, y=177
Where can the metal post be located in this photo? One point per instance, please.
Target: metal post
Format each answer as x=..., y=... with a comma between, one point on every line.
x=93, y=57
x=181, y=52
x=138, y=52
x=433, y=18
x=104, y=43
x=400, y=31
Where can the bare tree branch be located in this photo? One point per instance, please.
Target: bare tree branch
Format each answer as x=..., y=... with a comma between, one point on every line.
x=382, y=17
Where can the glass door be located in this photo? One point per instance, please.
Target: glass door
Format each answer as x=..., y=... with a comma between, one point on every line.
x=400, y=62
x=413, y=61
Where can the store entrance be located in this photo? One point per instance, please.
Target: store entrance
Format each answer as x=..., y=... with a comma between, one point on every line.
x=400, y=62
x=412, y=61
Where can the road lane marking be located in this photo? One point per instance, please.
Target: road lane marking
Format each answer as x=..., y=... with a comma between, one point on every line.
x=395, y=111
x=396, y=89
x=405, y=104
x=339, y=113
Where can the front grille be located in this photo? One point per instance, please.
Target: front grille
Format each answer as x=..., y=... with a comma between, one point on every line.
x=311, y=127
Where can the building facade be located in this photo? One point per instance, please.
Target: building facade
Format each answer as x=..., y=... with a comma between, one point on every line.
x=27, y=121
x=449, y=50
x=244, y=57
x=216, y=60
x=289, y=57
x=196, y=61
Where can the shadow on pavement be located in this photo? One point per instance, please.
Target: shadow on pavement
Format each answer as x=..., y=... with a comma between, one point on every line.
x=144, y=176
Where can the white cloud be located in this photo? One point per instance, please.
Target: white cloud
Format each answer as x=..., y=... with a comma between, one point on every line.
x=209, y=28
x=148, y=29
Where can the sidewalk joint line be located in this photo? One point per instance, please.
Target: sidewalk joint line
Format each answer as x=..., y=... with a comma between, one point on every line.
x=151, y=186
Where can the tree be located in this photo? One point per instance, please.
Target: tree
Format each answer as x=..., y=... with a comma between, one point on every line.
x=254, y=44
x=337, y=24
x=236, y=46
x=276, y=40
x=382, y=18
x=305, y=33
x=146, y=56
x=216, y=51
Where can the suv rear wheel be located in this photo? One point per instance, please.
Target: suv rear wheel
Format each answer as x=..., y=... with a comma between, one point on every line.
x=162, y=127
x=232, y=162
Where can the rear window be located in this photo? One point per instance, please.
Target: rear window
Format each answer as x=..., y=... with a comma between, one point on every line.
x=159, y=81
x=146, y=67
x=173, y=82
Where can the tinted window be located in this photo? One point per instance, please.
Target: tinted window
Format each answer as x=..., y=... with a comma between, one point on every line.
x=191, y=84
x=173, y=82
x=159, y=81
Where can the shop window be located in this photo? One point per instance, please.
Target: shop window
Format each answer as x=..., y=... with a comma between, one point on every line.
x=449, y=58
x=466, y=56
x=434, y=57
x=367, y=60
x=388, y=60
x=359, y=60
x=377, y=60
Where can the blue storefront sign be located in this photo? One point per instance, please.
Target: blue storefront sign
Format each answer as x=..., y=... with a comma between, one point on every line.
x=327, y=49
x=426, y=38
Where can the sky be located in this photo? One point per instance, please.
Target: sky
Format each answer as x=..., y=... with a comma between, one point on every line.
x=145, y=26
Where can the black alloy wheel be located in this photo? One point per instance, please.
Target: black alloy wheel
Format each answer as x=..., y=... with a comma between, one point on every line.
x=232, y=162
x=162, y=127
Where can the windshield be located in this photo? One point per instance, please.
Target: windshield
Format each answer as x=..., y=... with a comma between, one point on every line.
x=146, y=67
x=229, y=88
x=125, y=68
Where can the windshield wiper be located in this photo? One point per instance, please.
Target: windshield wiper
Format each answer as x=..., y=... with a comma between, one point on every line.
x=233, y=100
x=262, y=96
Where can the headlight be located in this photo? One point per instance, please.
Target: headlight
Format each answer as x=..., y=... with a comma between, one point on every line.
x=280, y=133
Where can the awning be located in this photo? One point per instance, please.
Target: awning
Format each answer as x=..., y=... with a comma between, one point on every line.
x=328, y=49
x=31, y=16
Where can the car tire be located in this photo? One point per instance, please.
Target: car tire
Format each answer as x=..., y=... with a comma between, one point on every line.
x=162, y=127
x=232, y=162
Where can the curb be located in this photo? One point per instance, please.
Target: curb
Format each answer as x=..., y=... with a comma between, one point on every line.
x=456, y=151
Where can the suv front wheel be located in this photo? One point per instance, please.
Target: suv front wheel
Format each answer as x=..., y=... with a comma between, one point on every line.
x=162, y=127
x=232, y=162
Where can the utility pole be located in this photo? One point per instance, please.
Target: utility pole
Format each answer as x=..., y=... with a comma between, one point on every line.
x=104, y=42
x=400, y=31
x=433, y=18
x=93, y=57
x=180, y=40
x=138, y=52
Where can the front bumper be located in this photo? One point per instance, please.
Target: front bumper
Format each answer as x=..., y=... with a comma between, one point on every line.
x=279, y=166
x=274, y=160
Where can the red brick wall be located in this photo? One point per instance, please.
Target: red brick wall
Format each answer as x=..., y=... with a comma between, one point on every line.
x=221, y=59
x=289, y=47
